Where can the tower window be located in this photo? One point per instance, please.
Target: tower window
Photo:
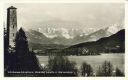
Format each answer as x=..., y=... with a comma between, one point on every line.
x=13, y=11
x=13, y=20
x=13, y=34
x=13, y=26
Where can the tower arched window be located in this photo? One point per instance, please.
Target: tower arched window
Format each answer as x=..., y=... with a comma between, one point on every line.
x=13, y=26
x=13, y=19
x=13, y=12
x=13, y=34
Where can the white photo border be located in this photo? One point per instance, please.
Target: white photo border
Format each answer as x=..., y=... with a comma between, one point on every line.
x=61, y=78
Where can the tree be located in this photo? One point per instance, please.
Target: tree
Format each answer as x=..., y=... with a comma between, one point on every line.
x=21, y=44
x=59, y=63
x=24, y=59
x=6, y=53
x=86, y=69
x=118, y=72
x=106, y=69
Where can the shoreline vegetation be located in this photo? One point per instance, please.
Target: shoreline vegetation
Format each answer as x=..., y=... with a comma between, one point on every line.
x=60, y=66
x=93, y=60
x=40, y=54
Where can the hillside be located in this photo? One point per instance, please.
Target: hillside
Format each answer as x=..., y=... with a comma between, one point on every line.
x=37, y=37
x=114, y=43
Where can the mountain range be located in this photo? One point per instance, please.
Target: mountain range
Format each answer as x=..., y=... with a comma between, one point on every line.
x=63, y=37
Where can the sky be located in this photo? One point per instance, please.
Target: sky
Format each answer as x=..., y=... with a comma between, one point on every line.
x=68, y=15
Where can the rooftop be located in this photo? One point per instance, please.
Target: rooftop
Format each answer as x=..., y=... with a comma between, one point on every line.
x=12, y=7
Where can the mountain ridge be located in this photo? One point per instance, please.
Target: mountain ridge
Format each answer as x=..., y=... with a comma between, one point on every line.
x=35, y=36
x=112, y=44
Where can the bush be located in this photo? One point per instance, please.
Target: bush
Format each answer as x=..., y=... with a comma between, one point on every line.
x=118, y=72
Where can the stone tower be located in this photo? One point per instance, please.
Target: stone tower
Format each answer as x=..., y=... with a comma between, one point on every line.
x=11, y=25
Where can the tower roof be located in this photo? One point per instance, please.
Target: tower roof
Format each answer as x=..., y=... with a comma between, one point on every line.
x=12, y=7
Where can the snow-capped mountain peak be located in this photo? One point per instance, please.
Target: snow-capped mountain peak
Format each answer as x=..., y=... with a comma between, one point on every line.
x=114, y=28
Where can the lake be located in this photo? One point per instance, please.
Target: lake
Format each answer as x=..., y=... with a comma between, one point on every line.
x=116, y=59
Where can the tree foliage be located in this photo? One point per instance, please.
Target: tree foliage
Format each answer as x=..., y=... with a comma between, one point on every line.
x=26, y=60
x=86, y=69
x=106, y=69
x=118, y=72
x=61, y=64
x=22, y=59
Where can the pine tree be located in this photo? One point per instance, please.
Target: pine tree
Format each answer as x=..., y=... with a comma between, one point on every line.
x=25, y=60
x=6, y=53
x=106, y=69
